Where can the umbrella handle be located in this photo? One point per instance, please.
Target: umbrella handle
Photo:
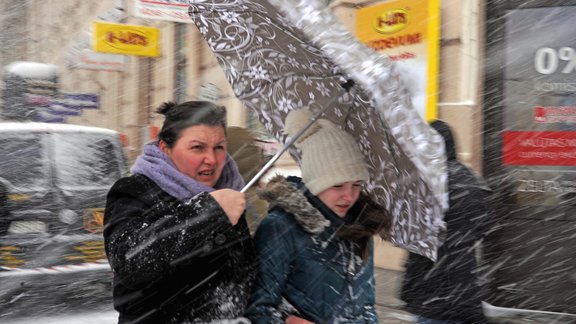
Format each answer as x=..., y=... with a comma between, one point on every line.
x=347, y=86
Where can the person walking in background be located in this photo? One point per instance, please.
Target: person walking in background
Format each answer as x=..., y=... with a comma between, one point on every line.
x=315, y=246
x=447, y=291
x=174, y=231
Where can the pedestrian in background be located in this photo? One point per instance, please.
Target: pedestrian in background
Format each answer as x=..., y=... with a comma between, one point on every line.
x=315, y=247
x=447, y=291
x=174, y=231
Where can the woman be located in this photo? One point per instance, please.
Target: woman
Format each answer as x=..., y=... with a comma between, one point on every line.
x=174, y=232
x=315, y=246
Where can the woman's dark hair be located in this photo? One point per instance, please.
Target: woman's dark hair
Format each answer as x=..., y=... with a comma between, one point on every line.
x=371, y=220
x=178, y=117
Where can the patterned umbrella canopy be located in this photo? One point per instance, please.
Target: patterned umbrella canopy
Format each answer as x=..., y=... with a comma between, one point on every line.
x=280, y=55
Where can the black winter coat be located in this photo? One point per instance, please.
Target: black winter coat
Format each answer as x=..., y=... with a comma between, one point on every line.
x=448, y=289
x=175, y=262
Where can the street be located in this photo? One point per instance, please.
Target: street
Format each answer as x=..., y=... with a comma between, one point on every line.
x=387, y=306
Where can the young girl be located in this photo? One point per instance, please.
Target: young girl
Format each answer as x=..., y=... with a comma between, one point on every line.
x=315, y=247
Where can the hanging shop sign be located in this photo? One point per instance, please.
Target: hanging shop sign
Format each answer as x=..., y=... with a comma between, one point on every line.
x=81, y=56
x=126, y=39
x=171, y=10
x=407, y=31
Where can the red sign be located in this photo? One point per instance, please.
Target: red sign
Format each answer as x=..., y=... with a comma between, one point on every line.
x=555, y=114
x=539, y=148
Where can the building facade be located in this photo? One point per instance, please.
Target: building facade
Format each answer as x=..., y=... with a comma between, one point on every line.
x=58, y=32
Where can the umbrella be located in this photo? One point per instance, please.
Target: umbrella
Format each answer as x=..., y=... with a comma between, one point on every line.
x=280, y=55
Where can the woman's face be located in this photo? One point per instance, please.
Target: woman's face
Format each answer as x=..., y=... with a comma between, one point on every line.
x=340, y=198
x=200, y=153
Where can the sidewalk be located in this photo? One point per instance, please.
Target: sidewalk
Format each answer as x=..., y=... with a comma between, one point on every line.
x=388, y=306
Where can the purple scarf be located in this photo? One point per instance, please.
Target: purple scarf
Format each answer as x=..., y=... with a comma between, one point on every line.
x=157, y=166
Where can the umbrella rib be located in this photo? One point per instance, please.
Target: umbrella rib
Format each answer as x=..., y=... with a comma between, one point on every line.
x=309, y=76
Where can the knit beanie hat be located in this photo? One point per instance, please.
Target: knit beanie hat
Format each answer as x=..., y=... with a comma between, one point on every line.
x=330, y=156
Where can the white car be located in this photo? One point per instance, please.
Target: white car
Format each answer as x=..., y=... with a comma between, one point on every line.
x=54, y=180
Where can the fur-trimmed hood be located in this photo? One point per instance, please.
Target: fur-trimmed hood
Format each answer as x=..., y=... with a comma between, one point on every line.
x=291, y=195
x=279, y=192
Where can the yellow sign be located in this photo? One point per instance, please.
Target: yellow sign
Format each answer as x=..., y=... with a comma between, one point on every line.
x=408, y=32
x=18, y=197
x=391, y=21
x=90, y=251
x=9, y=256
x=126, y=39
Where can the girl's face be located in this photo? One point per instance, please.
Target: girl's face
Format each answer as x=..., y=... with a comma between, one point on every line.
x=200, y=153
x=340, y=198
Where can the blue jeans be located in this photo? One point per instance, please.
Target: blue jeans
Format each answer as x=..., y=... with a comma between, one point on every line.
x=424, y=320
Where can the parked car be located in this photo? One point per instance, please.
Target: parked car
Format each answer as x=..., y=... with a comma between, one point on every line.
x=54, y=179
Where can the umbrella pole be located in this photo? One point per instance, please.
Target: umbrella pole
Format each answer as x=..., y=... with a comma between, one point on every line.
x=347, y=86
x=276, y=156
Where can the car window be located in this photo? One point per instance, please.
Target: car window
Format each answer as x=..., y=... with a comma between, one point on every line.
x=86, y=160
x=22, y=161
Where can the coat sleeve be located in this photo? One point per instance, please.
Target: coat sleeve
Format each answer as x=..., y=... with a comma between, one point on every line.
x=275, y=250
x=148, y=239
x=479, y=212
x=469, y=215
